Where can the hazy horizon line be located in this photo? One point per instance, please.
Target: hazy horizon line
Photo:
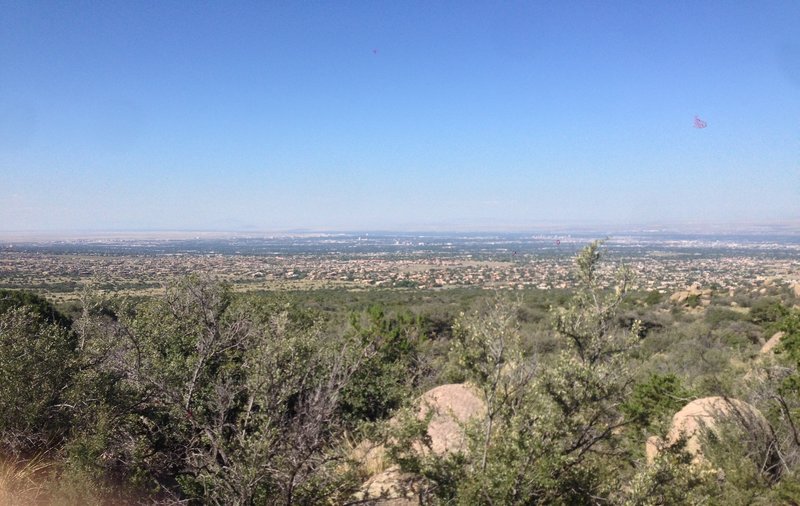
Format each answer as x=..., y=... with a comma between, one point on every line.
x=743, y=228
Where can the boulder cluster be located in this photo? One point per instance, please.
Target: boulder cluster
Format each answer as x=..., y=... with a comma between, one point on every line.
x=455, y=405
x=683, y=296
x=452, y=406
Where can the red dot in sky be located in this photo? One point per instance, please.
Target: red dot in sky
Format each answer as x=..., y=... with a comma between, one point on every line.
x=698, y=123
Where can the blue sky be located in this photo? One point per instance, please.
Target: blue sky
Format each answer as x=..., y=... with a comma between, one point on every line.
x=145, y=115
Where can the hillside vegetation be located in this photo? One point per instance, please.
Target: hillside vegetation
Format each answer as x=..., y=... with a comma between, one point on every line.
x=594, y=395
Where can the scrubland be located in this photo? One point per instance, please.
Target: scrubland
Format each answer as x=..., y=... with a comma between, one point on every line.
x=201, y=394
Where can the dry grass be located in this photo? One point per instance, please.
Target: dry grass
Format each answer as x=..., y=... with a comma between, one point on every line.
x=23, y=482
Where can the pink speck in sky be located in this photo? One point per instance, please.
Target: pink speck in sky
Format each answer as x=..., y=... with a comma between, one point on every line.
x=698, y=123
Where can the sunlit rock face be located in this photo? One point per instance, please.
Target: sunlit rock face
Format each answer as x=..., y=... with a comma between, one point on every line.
x=450, y=407
x=774, y=341
x=706, y=414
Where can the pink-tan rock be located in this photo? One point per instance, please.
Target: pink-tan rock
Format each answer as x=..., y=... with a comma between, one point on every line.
x=705, y=414
x=453, y=406
x=774, y=341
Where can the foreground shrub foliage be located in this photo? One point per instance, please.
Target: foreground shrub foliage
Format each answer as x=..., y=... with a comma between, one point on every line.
x=223, y=400
x=552, y=432
x=203, y=396
x=37, y=358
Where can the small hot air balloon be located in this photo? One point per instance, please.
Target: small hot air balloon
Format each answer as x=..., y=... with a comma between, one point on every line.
x=558, y=242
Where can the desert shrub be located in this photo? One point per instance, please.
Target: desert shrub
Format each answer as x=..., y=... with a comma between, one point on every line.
x=746, y=461
x=669, y=480
x=745, y=299
x=40, y=306
x=790, y=343
x=695, y=353
x=384, y=381
x=786, y=491
x=739, y=333
x=654, y=400
x=37, y=360
x=550, y=434
x=214, y=400
x=767, y=310
x=653, y=297
x=648, y=321
x=716, y=315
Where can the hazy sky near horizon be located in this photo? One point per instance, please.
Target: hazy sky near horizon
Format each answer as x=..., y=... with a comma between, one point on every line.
x=120, y=115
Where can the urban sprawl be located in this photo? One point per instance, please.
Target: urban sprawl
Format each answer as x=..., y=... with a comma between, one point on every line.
x=64, y=269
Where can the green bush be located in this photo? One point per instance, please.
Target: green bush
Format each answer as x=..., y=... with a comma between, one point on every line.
x=209, y=398
x=10, y=299
x=653, y=297
x=37, y=361
x=390, y=375
x=656, y=400
x=550, y=435
x=767, y=310
x=716, y=315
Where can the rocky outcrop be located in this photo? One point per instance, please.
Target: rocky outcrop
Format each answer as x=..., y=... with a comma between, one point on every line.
x=390, y=487
x=450, y=407
x=682, y=297
x=774, y=341
x=705, y=415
